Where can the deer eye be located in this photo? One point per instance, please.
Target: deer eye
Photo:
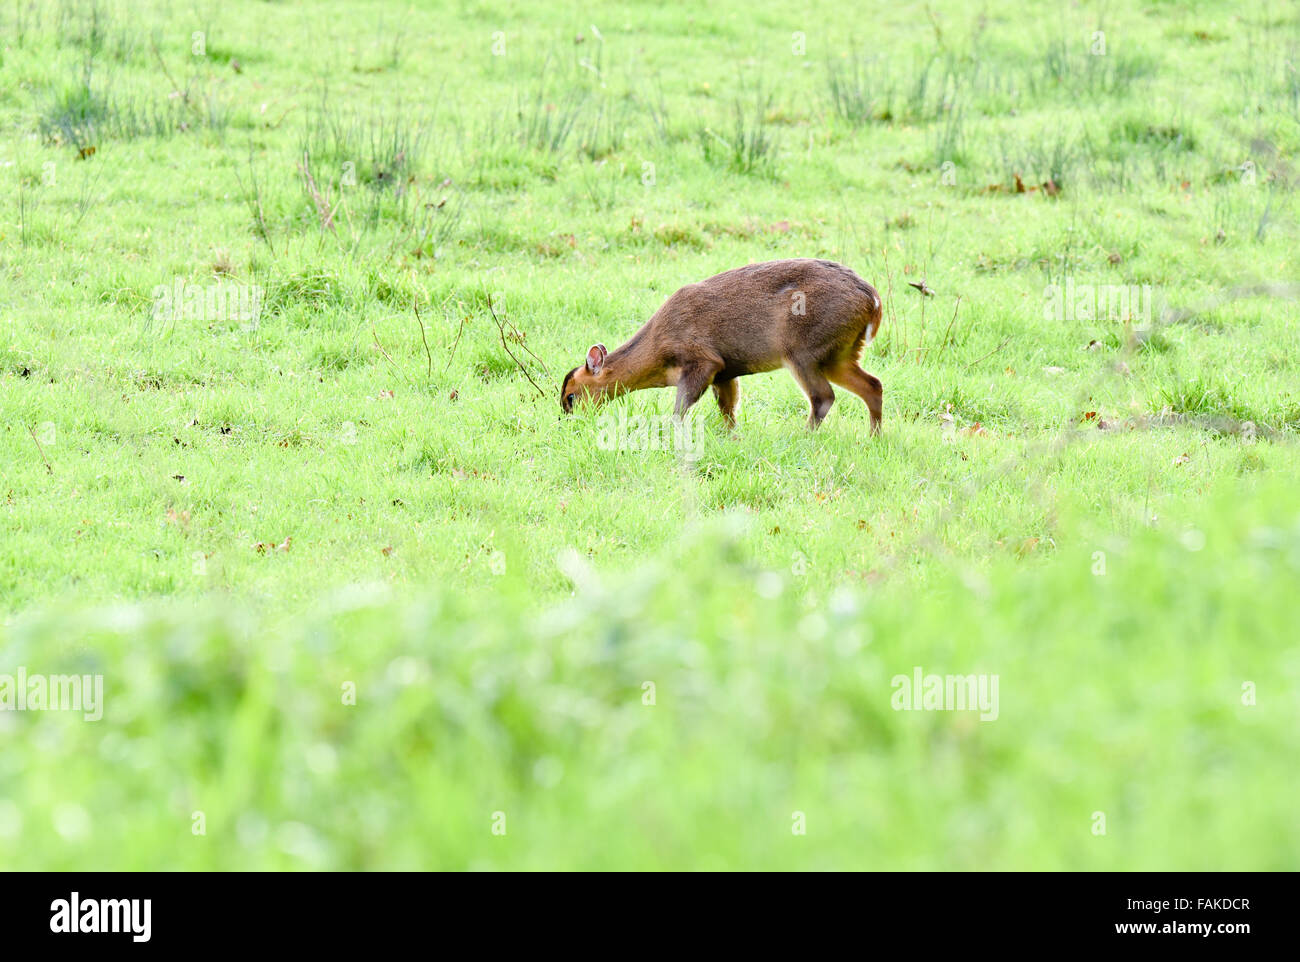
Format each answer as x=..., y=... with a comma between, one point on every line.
x=570, y=398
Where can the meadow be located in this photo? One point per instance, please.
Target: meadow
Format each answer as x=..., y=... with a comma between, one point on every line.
x=288, y=291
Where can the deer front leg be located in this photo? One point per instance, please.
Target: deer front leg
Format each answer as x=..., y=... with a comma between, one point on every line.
x=692, y=382
x=728, y=395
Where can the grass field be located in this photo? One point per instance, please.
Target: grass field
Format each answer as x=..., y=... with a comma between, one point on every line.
x=286, y=294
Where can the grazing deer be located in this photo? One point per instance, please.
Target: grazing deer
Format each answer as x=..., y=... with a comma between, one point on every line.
x=811, y=316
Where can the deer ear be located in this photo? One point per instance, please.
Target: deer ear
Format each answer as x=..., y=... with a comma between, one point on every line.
x=596, y=358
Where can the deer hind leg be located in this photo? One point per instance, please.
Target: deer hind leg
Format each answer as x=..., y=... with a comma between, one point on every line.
x=728, y=395
x=847, y=374
x=693, y=381
x=818, y=389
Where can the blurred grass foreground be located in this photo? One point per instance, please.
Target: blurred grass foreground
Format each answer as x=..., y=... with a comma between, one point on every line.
x=697, y=713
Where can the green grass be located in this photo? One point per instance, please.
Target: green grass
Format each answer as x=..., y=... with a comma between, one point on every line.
x=231, y=519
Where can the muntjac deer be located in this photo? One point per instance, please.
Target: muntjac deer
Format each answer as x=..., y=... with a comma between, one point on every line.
x=811, y=316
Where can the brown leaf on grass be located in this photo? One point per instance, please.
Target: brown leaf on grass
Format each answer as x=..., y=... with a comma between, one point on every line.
x=870, y=576
x=1182, y=458
x=1020, y=185
x=974, y=430
x=464, y=473
x=385, y=395
x=386, y=550
x=1089, y=416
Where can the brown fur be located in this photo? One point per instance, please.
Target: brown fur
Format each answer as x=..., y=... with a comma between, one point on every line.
x=745, y=321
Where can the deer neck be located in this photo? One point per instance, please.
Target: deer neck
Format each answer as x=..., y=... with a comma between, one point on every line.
x=635, y=365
